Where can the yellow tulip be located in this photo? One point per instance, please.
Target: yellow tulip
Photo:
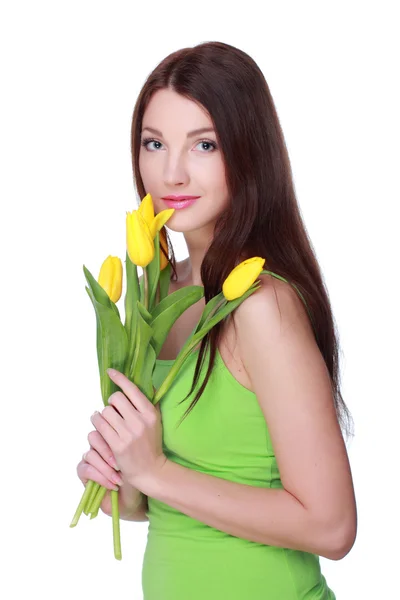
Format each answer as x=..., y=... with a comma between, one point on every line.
x=242, y=277
x=154, y=223
x=160, y=220
x=163, y=242
x=139, y=243
x=110, y=277
x=146, y=209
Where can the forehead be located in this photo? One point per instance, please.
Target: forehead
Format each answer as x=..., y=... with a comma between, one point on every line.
x=166, y=107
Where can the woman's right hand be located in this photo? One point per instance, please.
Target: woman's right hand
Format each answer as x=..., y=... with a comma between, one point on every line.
x=98, y=464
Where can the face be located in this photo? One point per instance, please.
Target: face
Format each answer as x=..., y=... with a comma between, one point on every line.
x=175, y=162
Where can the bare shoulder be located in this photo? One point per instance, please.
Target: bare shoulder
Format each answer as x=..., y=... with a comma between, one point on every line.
x=274, y=308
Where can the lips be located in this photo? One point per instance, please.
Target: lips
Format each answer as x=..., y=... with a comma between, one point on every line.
x=178, y=198
x=179, y=202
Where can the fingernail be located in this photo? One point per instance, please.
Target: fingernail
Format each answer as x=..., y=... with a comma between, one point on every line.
x=113, y=463
x=111, y=372
x=117, y=479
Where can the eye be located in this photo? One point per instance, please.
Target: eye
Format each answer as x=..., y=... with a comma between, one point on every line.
x=208, y=143
x=146, y=141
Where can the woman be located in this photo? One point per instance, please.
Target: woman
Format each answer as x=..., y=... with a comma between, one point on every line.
x=247, y=490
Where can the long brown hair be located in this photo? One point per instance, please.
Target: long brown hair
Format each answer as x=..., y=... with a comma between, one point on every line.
x=263, y=218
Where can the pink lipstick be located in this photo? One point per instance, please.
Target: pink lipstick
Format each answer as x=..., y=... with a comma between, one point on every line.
x=179, y=201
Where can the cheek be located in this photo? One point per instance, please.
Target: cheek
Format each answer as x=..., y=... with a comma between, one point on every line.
x=219, y=173
x=220, y=182
x=147, y=173
x=214, y=173
x=142, y=164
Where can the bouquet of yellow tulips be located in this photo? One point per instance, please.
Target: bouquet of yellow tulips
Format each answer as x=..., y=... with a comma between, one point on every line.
x=132, y=347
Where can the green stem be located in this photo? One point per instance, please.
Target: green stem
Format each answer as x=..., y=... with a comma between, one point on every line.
x=146, y=288
x=82, y=503
x=97, y=500
x=93, y=493
x=158, y=292
x=115, y=523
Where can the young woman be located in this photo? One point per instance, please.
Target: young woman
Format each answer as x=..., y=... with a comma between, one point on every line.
x=244, y=475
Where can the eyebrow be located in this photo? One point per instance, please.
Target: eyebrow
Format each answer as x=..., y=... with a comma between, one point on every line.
x=190, y=134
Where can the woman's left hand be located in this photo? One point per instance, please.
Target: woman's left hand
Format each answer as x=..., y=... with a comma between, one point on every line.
x=131, y=425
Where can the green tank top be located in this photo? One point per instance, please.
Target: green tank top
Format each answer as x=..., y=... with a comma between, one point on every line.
x=224, y=435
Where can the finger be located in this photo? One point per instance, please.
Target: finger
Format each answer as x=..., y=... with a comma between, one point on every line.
x=97, y=442
x=138, y=399
x=86, y=471
x=116, y=421
x=104, y=428
x=124, y=407
x=93, y=458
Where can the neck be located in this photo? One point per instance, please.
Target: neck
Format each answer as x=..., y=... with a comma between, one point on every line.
x=197, y=244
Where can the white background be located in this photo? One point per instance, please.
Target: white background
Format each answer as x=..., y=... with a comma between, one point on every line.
x=70, y=75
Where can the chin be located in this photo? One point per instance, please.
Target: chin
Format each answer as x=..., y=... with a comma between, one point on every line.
x=191, y=225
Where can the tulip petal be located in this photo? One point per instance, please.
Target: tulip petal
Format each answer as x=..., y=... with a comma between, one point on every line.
x=241, y=278
x=110, y=277
x=160, y=220
x=105, y=275
x=99, y=293
x=139, y=243
x=146, y=209
x=116, y=287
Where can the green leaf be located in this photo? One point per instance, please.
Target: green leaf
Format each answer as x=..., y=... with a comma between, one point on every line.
x=196, y=336
x=168, y=310
x=147, y=372
x=144, y=334
x=112, y=345
x=98, y=336
x=164, y=281
x=153, y=272
x=139, y=311
x=99, y=293
x=228, y=308
x=210, y=307
x=199, y=333
x=132, y=294
x=194, y=291
x=132, y=340
x=146, y=316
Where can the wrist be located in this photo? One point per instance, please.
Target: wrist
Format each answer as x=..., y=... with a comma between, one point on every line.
x=150, y=482
x=130, y=498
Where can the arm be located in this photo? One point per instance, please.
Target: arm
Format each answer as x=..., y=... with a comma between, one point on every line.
x=315, y=512
x=263, y=515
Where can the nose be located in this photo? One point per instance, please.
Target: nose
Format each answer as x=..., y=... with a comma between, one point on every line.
x=175, y=171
